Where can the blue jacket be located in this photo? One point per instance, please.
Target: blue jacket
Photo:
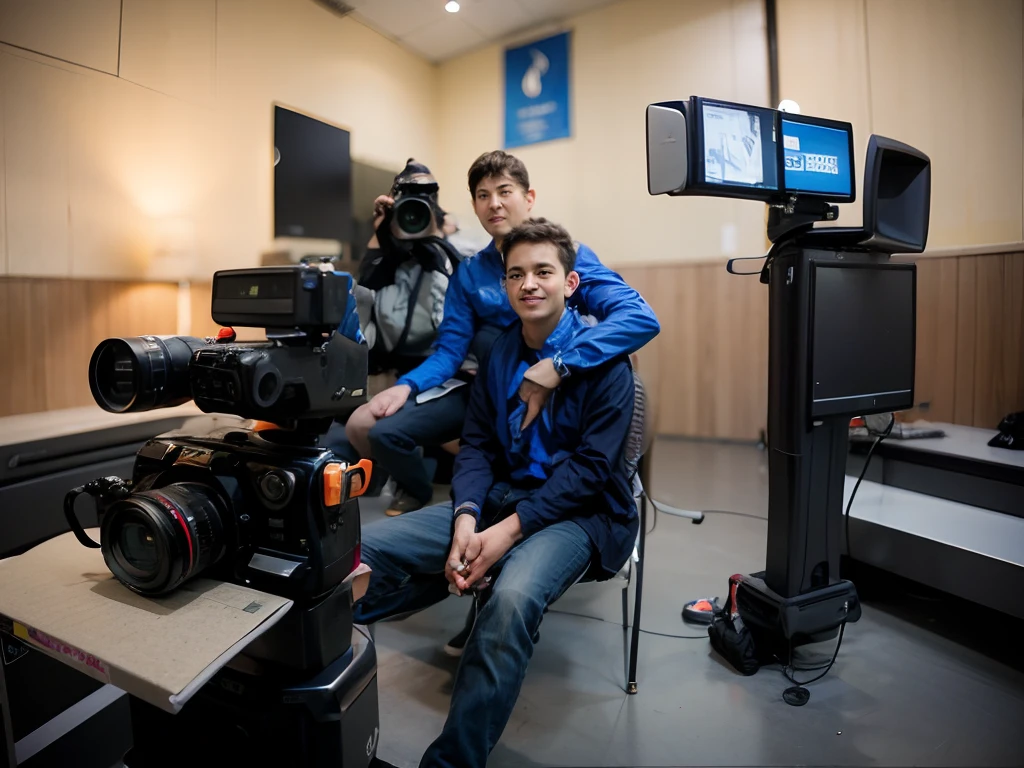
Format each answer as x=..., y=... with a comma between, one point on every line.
x=568, y=464
x=476, y=298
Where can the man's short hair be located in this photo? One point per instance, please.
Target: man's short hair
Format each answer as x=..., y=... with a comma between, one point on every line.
x=496, y=164
x=541, y=231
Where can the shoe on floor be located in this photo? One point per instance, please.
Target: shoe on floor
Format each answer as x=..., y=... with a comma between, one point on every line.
x=403, y=502
x=457, y=644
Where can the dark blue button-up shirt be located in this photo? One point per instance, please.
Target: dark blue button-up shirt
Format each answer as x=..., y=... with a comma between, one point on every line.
x=568, y=464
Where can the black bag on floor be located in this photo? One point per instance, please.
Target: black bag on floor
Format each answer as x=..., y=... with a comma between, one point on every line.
x=731, y=638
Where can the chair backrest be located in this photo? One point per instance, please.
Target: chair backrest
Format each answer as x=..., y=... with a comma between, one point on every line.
x=643, y=425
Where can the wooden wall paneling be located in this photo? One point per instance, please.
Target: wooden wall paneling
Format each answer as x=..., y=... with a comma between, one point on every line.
x=649, y=357
x=1013, y=339
x=52, y=326
x=681, y=386
x=935, y=379
x=966, y=320
x=989, y=334
x=26, y=372
x=740, y=367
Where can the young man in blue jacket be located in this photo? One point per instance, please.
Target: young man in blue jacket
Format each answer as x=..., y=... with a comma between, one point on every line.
x=536, y=507
x=476, y=309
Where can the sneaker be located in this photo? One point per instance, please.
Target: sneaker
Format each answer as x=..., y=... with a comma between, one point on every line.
x=457, y=644
x=402, y=502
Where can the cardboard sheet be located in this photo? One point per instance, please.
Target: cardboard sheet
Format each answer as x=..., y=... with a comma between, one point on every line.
x=61, y=598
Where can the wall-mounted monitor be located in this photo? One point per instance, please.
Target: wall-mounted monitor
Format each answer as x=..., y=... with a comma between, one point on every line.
x=312, y=178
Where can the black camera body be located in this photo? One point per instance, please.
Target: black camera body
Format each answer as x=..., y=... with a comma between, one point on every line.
x=261, y=504
x=414, y=214
x=311, y=370
x=236, y=507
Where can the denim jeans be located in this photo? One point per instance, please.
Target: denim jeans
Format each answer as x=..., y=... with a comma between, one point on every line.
x=394, y=440
x=407, y=555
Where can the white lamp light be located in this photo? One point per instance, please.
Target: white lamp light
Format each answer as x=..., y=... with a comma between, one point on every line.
x=452, y=6
x=788, y=105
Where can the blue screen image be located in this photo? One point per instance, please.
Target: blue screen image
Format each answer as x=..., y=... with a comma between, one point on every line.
x=816, y=159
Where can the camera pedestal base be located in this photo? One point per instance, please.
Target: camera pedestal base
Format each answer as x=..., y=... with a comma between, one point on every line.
x=781, y=624
x=329, y=719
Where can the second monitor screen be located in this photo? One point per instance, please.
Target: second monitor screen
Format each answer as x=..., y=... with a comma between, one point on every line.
x=816, y=160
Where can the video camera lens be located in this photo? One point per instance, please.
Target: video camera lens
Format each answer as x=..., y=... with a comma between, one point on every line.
x=140, y=373
x=155, y=540
x=413, y=216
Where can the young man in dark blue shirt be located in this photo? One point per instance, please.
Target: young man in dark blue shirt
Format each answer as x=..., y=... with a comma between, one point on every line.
x=536, y=507
x=476, y=309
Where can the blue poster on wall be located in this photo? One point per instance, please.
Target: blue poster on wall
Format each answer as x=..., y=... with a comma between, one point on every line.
x=537, y=91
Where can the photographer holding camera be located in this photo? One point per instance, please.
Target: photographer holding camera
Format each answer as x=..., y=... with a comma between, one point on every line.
x=402, y=282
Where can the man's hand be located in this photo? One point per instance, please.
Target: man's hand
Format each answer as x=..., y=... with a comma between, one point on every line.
x=385, y=403
x=465, y=547
x=539, y=381
x=544, y=373
x=494, y=543
x=380, y=207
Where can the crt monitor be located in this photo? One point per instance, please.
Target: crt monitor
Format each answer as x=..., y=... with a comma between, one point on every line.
x=735, y=153
x=862, y=338
x=312, y=178
x=817, y=158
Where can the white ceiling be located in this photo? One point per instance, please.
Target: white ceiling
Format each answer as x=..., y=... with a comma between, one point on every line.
x=426, y=28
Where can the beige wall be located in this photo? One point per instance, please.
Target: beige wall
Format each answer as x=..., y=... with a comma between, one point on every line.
x=160, y=143
x=623, y=57
x=942, y=75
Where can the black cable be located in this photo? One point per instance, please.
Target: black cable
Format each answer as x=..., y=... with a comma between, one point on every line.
x=863, y=471
x=616, y=623
x=666, y=509
x=787, y=667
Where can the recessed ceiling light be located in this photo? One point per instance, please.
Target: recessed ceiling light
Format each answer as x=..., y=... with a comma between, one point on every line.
x=451, y=6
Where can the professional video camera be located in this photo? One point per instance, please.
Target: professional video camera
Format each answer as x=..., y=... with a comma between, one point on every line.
x=264, y=505
x=259, y=504
x=841, y=324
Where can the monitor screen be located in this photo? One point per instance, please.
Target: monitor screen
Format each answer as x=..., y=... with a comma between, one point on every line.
x=862, y=338
x=816, y=158
x=312, y=178
x=737, y=146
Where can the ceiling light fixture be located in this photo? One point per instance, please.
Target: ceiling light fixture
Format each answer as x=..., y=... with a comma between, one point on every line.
x=452, y=6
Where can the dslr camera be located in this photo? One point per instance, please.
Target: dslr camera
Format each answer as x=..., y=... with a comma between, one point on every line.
x=260, y=503
x=414, y=214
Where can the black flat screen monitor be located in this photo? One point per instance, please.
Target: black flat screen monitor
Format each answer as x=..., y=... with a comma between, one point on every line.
x=817, y=158
x=312, y=178
x=735, y=152
x=862, y=338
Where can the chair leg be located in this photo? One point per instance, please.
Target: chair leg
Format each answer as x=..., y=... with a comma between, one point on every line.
x=631, y=686
x=625, y=606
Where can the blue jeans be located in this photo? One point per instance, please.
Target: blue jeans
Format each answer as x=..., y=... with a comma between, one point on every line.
x=394, y=440
x=407, y=555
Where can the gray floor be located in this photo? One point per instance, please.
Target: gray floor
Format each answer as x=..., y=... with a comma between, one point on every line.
x=910, y=687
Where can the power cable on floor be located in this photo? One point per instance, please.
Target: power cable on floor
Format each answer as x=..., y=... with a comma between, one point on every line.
x=628, y=626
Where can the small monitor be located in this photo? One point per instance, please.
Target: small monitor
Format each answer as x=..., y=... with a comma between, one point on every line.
x=818, y=158
x=862, y=338
x=735, y=152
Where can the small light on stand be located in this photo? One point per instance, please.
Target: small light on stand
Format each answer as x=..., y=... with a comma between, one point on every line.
x=452, y=6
